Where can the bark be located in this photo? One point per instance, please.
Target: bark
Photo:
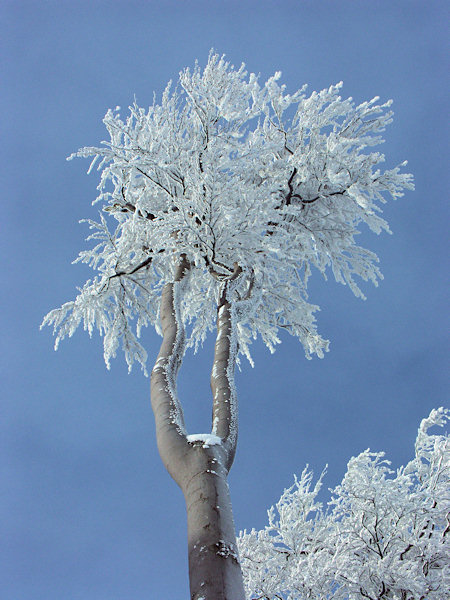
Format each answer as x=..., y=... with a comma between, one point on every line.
x=198, y=468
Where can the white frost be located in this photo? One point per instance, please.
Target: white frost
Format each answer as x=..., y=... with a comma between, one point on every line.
x=384, y=534
x=230, y=171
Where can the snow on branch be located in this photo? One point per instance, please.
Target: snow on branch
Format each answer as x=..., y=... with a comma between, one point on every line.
x=385, y=534
x=229, y=171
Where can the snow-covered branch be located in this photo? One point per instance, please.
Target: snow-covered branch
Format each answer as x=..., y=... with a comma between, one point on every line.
x=167, y=409
x=385, y=534
x=227, y=171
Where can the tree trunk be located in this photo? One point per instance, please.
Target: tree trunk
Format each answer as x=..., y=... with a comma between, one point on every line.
x=200, y=466
x=214, y=569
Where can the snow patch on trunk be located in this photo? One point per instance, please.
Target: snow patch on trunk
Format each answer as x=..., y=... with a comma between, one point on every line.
x=208, y=439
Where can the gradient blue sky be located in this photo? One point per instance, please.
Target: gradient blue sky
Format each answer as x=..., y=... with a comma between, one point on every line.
x=87, y=510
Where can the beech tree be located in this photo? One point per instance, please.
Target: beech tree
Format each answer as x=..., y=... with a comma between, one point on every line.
x=384, y=536
x=224, y=197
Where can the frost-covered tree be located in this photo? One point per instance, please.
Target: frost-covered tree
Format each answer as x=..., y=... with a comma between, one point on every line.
x=384, y=536
x=223, y=198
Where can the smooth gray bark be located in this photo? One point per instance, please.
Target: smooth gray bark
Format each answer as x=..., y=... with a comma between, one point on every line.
x=198, y=468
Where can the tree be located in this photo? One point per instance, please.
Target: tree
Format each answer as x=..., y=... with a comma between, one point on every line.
x=224, y=196
x=384, y=536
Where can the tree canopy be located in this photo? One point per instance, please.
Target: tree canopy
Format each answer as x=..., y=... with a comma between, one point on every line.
x=384, y=534
x=251, y=185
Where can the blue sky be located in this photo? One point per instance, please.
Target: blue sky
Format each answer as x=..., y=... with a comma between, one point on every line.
x=87, y=510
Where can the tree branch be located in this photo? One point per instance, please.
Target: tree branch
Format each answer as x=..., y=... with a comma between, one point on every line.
x=168, y=412
x=225, y=421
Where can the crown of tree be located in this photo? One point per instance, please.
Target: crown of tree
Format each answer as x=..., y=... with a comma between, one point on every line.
x=251, y=186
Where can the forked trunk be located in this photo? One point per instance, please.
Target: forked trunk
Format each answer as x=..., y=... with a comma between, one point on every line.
x=200, y=464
